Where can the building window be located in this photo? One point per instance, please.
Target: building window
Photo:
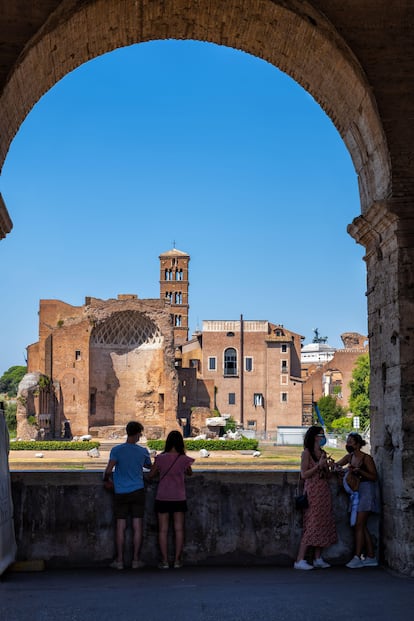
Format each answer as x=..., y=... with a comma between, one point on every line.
x=258, y=399
x=184, y=383
x=284, y=348
x=230, y=362
x=195, y=364
x=212, y=363
x=248, y=363
x=178, y=297
x=77, y=354
x=232, y=398
x=251, y=424
x=284, y=379
x=283, y=397
x=177, y=320
x=184, y=400
x=284, y=366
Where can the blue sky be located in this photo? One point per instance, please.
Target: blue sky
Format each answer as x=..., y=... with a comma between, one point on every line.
x=189, y=142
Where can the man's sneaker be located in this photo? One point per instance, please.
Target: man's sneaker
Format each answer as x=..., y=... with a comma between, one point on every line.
x=355, y=563
x=137, y=564
x=178, y=564
x=319, y=563
x=370, y=561
x=116, y=565
x=302, y=565
x=163, y=565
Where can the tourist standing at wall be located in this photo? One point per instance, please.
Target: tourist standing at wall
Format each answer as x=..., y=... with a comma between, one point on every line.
x=172, y=465
x=360, y=480
x=319, y=528
x=125, y=466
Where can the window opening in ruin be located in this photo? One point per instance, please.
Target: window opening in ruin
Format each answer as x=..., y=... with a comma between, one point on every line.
x=161, y=402
x=77, y=354
x=92, y=403
x=230, y=362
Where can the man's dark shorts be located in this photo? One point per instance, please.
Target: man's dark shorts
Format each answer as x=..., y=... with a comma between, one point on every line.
x=132, y=504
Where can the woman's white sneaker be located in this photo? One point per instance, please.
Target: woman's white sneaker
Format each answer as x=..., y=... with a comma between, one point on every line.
x=319, y=563
x=370, y=561
x=302, y=565
x=355, y=563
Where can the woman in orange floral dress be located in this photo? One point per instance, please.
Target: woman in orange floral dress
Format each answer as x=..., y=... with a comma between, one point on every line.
x=319, y=529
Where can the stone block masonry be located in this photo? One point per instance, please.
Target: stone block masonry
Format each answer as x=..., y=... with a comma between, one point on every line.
x=238, y=518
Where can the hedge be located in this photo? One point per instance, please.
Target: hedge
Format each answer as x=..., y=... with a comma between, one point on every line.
x=245, y=444
x=52, y=445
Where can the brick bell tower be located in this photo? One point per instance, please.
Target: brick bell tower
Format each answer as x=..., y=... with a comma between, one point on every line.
x=174, y=289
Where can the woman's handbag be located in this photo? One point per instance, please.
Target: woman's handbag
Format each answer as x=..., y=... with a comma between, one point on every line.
x=301, y=501
x=301, y=497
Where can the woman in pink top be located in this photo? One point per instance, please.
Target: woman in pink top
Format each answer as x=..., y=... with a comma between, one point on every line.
x=172, y=465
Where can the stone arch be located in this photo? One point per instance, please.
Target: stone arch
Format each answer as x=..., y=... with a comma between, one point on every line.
x=297, y=39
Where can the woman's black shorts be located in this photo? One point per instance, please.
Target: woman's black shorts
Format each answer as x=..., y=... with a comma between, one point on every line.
x=170, y=506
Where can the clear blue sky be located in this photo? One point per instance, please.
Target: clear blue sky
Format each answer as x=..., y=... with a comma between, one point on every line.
x=188, y=142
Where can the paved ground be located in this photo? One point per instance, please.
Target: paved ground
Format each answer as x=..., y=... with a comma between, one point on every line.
x=207, y=594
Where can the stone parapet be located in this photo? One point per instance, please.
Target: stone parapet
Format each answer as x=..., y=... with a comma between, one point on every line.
x=240, y=518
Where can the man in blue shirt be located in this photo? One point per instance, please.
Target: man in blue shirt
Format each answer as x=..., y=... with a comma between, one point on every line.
x=125, y=465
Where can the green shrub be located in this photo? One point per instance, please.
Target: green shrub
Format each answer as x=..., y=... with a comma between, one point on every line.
x=52, y=445
x=342, y=425
x=245, y=444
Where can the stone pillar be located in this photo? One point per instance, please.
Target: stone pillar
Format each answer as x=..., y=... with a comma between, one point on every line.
x=388, y=236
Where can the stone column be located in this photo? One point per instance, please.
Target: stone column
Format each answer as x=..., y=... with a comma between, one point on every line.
x=388, y=235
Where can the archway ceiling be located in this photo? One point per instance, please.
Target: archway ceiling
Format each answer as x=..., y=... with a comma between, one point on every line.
x=376, y=36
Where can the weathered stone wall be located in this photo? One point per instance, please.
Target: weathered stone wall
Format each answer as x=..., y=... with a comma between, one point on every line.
x=390, y=287
x=65, y=518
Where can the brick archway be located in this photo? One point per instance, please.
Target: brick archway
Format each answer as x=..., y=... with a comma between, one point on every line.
x=300, y=42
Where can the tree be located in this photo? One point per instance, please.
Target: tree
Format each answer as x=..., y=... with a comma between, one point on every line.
x=10, y=380
x=359, y=400
x=330, y=410
x=10, y=416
